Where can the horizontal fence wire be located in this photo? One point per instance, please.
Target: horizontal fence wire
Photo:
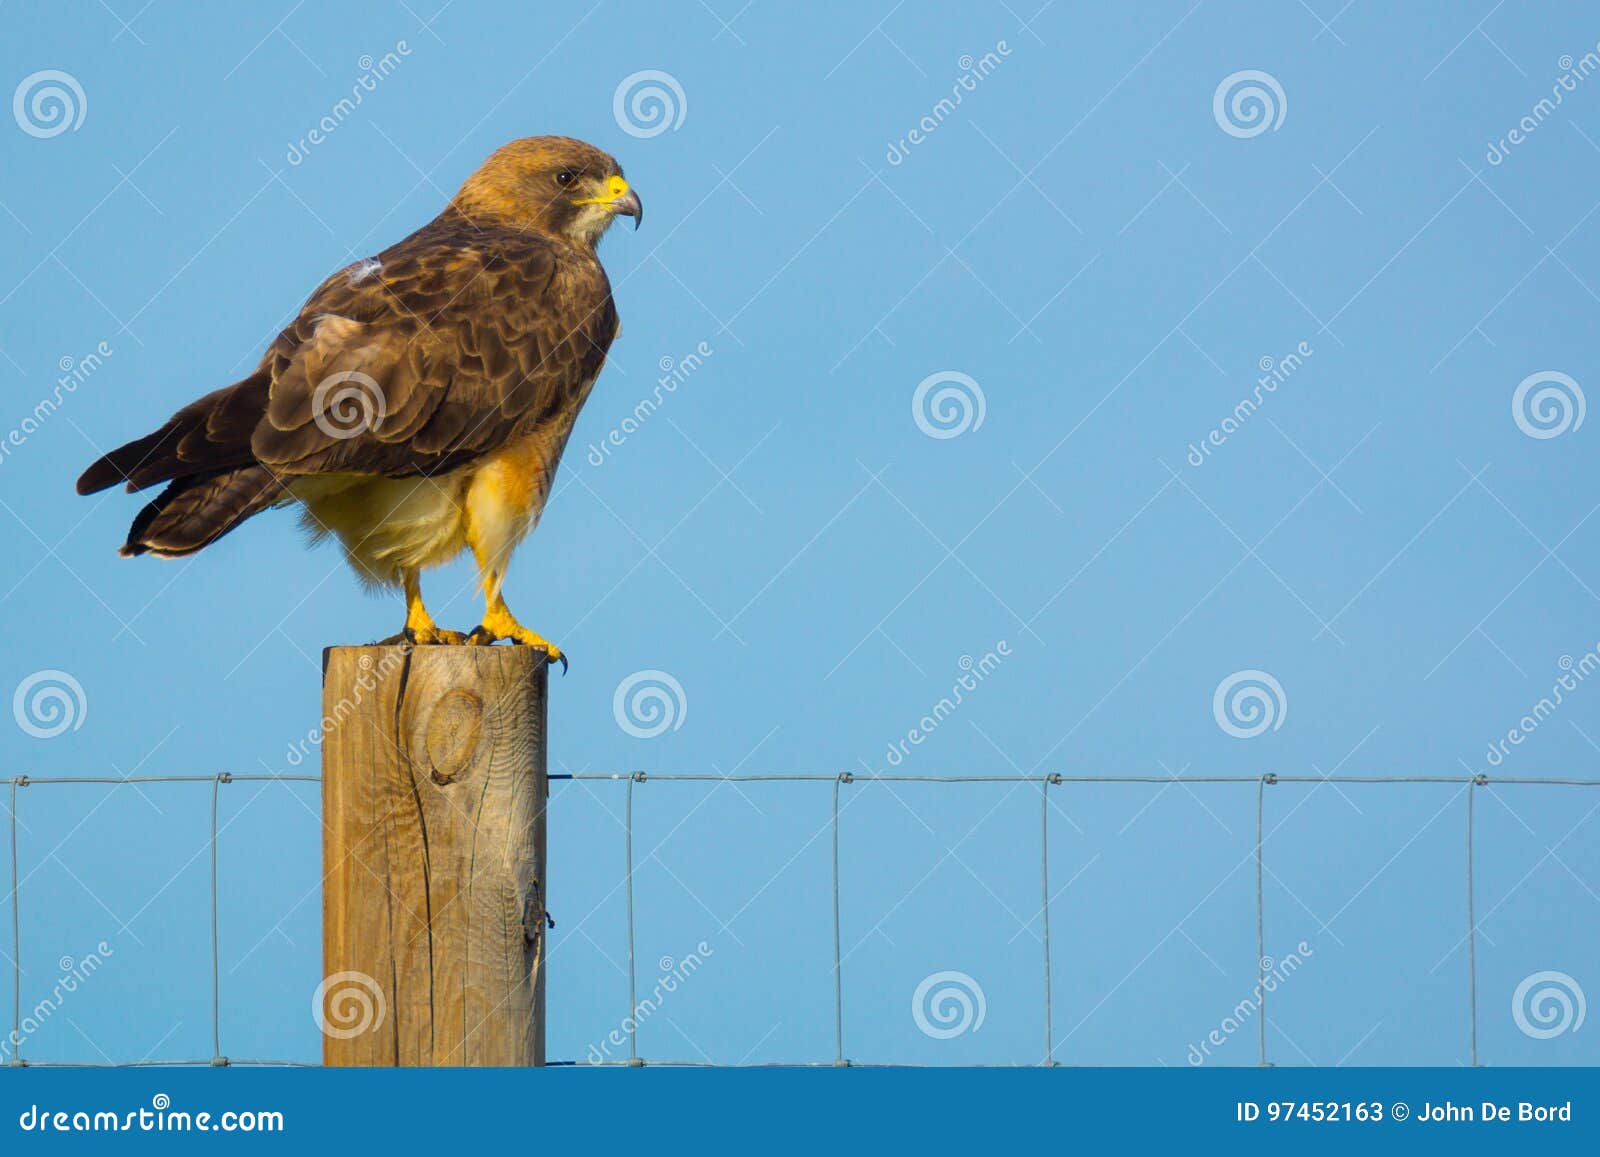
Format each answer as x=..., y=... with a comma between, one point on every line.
x=836, y=780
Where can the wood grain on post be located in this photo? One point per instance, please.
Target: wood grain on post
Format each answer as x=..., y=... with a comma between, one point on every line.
x=433, y=802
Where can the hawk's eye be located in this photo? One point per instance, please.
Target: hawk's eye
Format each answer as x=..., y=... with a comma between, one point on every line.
x=565, y=177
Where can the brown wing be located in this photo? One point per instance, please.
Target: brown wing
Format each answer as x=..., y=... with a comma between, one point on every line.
x=454, y=342
x=458, y=340
x=208, y=436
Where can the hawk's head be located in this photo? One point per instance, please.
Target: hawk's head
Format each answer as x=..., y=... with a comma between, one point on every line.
x=553, y=185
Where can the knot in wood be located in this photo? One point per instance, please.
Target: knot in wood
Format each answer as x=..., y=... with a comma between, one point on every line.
x=452, y=733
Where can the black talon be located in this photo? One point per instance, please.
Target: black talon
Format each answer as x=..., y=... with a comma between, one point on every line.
x=563, y=675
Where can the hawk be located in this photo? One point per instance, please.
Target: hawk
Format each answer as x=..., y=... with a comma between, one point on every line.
x=419, y=404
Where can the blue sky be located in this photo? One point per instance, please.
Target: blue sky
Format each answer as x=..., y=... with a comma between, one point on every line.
x=1097, y=250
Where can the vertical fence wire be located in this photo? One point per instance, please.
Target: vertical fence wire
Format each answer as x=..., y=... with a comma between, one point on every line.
x=838, y=963
x=1044, y=911
x=633, y=1002
x=1472, y=929
x=216, y=993
x=16, y=935
x=1261, y=919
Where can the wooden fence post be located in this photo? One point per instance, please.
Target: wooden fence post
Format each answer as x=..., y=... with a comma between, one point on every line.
x=433, y=905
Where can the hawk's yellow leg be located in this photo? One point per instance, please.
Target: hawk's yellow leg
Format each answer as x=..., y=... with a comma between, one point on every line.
x=499, y=623
x=420, y=627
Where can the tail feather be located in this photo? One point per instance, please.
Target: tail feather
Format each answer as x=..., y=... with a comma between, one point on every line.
x=194, y=512
x=206, y=437
x=122, y=463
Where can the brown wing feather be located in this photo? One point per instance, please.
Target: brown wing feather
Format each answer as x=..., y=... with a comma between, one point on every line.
x=470, y=335
x=465, y=339
x=208, y=435
x=194, y=512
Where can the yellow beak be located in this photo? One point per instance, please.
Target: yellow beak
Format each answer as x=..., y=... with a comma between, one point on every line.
x=622, y=200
